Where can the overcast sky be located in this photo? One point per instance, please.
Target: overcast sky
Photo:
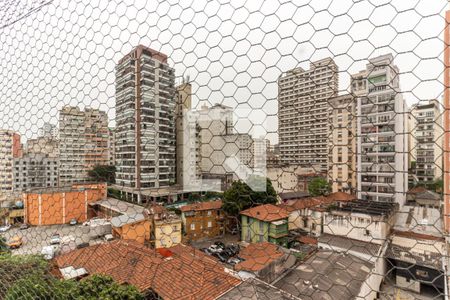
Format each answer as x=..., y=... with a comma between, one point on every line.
x=233, y=52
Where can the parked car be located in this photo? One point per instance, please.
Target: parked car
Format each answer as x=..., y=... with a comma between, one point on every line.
x=24, y=226
x=233, y=261
x=109, y=237
x=220, y=257
x=15, y=242
x=82, y=245
x=215, y=249
x=49, y=251
x=73, y=222
x=206, y=250
x=5, y=228
x=220, y=244
x=55, y=239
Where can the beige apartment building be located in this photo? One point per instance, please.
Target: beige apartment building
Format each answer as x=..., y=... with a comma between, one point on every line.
x=303, y=97
x=186, y=145
x=10, y=149
x=342, y=144
x=83, y=143
x=145, y=120
x=43, y=145
x=427, y=134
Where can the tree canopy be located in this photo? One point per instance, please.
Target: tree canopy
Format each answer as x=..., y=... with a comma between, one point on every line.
x=103, y=173
x=318, y=187
x=240, y=196
x=28, y=277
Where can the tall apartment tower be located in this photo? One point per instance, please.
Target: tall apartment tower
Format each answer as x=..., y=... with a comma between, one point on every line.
x=112, y=146
x=83, y=143
x=427, y=133
x=10, y=149
x=342, y=143
x=184, y=104
x=382, y=143
x=145, y=120
x=303, y=97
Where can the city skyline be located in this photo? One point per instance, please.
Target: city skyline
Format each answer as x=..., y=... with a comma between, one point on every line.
x=259, y=95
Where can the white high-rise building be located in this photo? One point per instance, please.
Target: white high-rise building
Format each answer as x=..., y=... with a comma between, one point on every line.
x=382, y=139
x=427, y=133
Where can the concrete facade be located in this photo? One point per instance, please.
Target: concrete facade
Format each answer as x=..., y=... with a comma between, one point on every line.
x=185, y=146
x=382, y=143
x=83, y=143
x=427, y=132
x=342, y=143
x=303, y=113
x=10, y=149
x=292, y=178
x=145, y=120
x=35, y=171
x=112, y=146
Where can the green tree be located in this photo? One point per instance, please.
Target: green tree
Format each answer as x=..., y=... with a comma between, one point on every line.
x=104, y=287
x=240, y=196
x=14, y=267
x=103, y=173
x=3, y=246
x=318, y=187
x=28, y=277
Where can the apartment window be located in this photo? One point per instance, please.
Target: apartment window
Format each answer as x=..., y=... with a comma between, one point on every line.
x=192, y=226
x=209, y=212
x=209, y=224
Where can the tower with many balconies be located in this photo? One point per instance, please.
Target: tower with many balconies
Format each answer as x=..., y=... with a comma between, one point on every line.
x=382, y=143
x=145, y=120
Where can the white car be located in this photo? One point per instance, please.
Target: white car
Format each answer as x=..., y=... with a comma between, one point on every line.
x=5, y=228
x=233, y=261
x=215, y=249
x=55, y=239
x=49, y=251
x=109, y=237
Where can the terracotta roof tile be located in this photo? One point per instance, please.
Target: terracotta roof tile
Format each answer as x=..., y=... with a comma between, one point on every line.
x=341, y=196
x=417, y=190
x=182, y=273
x=257, y=256
x=313, y=202
x=202, y=206
x=266, y=212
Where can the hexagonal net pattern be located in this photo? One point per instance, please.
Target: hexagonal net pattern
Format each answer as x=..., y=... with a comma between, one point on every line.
x=224, y=149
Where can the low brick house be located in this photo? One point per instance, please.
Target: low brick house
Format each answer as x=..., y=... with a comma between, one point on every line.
x=203, y=219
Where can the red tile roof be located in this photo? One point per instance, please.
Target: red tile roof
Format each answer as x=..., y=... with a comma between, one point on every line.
x=266, y=212
x=181, y=273
x=312, y=202
x=417, y=190
x=307, y=240
x=257, y=256
x=203, y=206
x=341, y=196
